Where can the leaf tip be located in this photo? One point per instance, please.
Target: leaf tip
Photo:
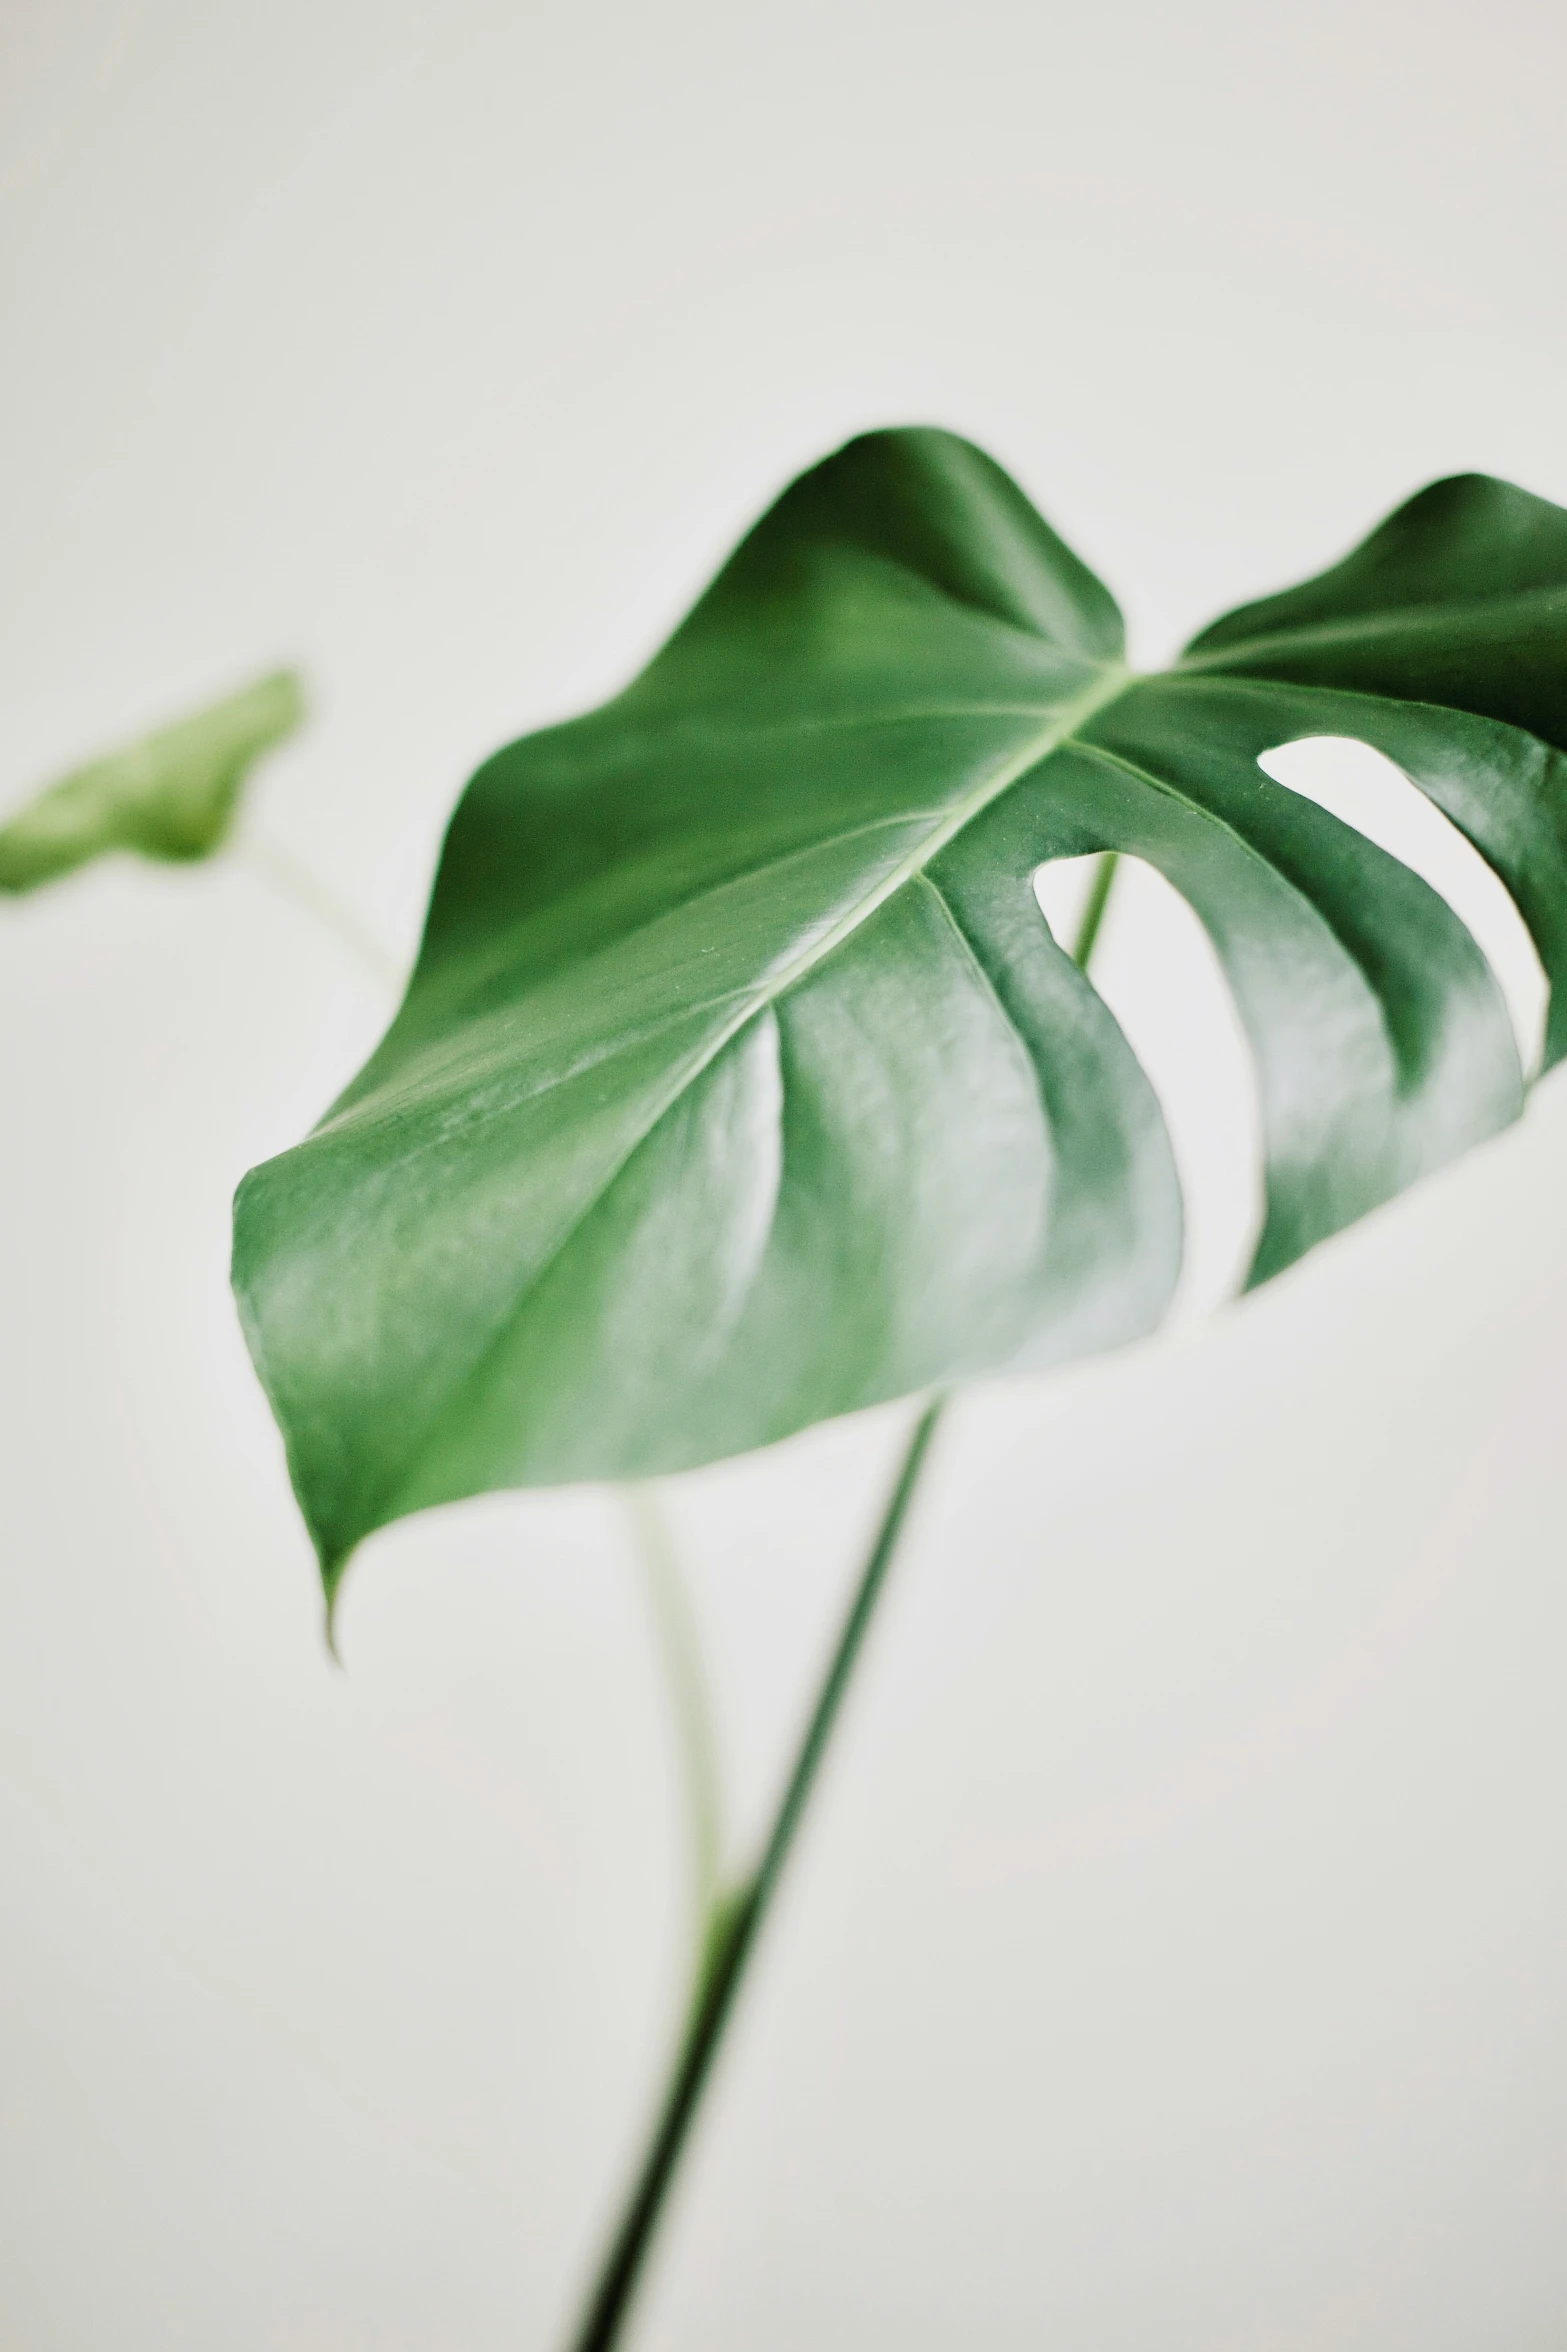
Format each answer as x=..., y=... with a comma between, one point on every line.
x=334, y=1567
x=278, y=705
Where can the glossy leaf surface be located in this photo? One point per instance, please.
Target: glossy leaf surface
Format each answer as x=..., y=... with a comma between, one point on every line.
x=171, y=796
x=740, y=1081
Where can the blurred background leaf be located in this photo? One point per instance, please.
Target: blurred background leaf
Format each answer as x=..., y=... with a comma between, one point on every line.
x=173, y=795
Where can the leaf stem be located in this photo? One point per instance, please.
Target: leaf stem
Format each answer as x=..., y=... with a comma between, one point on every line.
x=1094, y=906
x=315, y=898
x=681, y=1651
x=729, y=1922
x=737, y=1929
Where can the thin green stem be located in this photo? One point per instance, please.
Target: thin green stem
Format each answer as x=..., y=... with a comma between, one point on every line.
x=730, y=1923
x=1094, y=907
x=617, y=2283
x=315, y=898
x=681, y=1651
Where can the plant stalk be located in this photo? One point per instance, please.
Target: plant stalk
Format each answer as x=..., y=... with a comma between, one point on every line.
x=681, y=1651
x=313, y=897
x=733, y=1922
x=1094, y=906
x=735, y=1931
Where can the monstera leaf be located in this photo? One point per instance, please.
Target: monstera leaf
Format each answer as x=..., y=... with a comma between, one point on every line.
x=171, y=796
x=740, y=1081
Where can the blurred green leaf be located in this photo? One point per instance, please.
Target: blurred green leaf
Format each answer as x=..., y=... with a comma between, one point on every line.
x=173, y=795
x=740, y=1081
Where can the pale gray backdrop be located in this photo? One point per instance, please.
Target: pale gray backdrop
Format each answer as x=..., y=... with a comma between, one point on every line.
x=1177, y=1961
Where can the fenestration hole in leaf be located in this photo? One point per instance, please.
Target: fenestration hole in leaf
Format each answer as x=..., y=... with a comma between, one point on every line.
x=1364, y=788
x=1156, y=970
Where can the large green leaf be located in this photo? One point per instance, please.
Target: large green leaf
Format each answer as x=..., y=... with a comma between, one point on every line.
x=173, y=795
x=740, y=1081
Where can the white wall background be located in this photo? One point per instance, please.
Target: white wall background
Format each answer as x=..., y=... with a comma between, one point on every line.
x=1179, y=1956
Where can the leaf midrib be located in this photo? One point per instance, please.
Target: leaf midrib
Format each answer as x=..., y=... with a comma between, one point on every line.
x=1399, y=618
x=1114, y=680
x=751, y=998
